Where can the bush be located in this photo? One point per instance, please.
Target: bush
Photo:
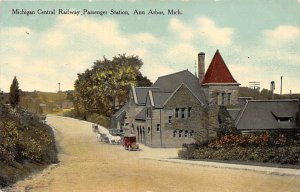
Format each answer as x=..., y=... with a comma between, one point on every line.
x=263, y=147
x=93, y=117
x=26, y=144
x=24, y=137
x=99, y=119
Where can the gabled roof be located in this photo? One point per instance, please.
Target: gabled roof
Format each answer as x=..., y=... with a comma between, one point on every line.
x=141, y=93
x=141, y=115
x=160, y=98
x=123, y=109
x=217, y=72
x=169, y=83
x=262, y=115
x=234, y=113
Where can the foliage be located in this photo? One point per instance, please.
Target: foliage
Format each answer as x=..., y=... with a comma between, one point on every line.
x=226, y=123
x=282, y=155
x=24, y=138
x=142, y=81
x=262, y=147
x=99, y=119
x=9, y=137
x=14, y=95
x=104, y=86
x=298, y=116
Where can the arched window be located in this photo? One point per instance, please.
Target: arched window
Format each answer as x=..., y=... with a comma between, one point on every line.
x=174, y=133
x=191, y=133
x=186, y=132
x=180, y=133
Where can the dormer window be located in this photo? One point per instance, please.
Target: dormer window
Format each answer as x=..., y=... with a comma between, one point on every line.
x=282, y=117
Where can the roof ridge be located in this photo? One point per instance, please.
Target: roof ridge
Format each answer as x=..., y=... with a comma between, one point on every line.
x=275, y=100
x=174, y=73
x=147, y=87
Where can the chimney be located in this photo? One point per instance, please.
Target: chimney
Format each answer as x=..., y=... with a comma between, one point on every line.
x=201, y=66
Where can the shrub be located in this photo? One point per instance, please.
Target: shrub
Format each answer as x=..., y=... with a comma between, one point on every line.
x=262, y=147
x=9, y=137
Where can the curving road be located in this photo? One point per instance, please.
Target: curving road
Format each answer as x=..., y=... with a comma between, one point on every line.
x=87, y=165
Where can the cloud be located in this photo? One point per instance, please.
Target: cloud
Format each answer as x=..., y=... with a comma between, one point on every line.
x=282, y=35
x=181, y=53
x=40, y=59
x=202, y=29
x=218, y=36
x=181, y=29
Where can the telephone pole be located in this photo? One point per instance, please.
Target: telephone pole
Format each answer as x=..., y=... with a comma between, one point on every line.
x=254, y=85
x=281, y=85
x=58, y=87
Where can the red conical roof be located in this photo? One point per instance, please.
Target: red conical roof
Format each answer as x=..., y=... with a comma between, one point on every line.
x=217, y=71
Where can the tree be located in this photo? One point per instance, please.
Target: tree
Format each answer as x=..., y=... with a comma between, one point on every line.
x=298, y=116
x=142, y=81
x=105, y=86
x=14, y=94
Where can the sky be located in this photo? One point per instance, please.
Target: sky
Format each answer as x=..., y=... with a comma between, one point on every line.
x=259, y=40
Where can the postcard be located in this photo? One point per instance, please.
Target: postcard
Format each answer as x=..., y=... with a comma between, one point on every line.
x=162, y=95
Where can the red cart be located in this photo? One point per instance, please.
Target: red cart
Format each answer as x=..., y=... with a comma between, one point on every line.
x=130, y=143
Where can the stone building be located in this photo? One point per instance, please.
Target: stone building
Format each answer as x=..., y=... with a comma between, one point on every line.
x=218, y=80
x=178, y=106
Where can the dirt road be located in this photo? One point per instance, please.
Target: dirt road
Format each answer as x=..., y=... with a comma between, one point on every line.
x=87, y=165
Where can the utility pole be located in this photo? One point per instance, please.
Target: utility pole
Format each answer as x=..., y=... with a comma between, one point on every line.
x=254, y=85
x=195, y=69
x=281, y=85
x=272, y=88
x=58, y=87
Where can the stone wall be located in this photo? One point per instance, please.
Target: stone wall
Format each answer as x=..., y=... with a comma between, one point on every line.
x=213, y=89
x=189, y=125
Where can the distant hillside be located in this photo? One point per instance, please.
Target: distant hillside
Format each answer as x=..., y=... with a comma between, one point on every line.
x=43, y=102
x=264, y=94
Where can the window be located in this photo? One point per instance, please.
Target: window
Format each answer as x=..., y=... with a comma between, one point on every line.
x=186, y=132
x=284, y=119
x=158, y=127
x=223, y=99
x=148, y=112
x=191, y=133
x=148, y=130
x=174, y=133
x=189, y=111
x=176, y=112
x=170, y=119
x=180, y=132
x=126, y=124
x=229, y=98
x=182, y=112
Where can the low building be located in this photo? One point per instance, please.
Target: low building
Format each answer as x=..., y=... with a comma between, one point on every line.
x=262, y=115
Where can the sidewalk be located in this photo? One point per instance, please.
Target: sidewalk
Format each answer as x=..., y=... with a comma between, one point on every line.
x=170, y=155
